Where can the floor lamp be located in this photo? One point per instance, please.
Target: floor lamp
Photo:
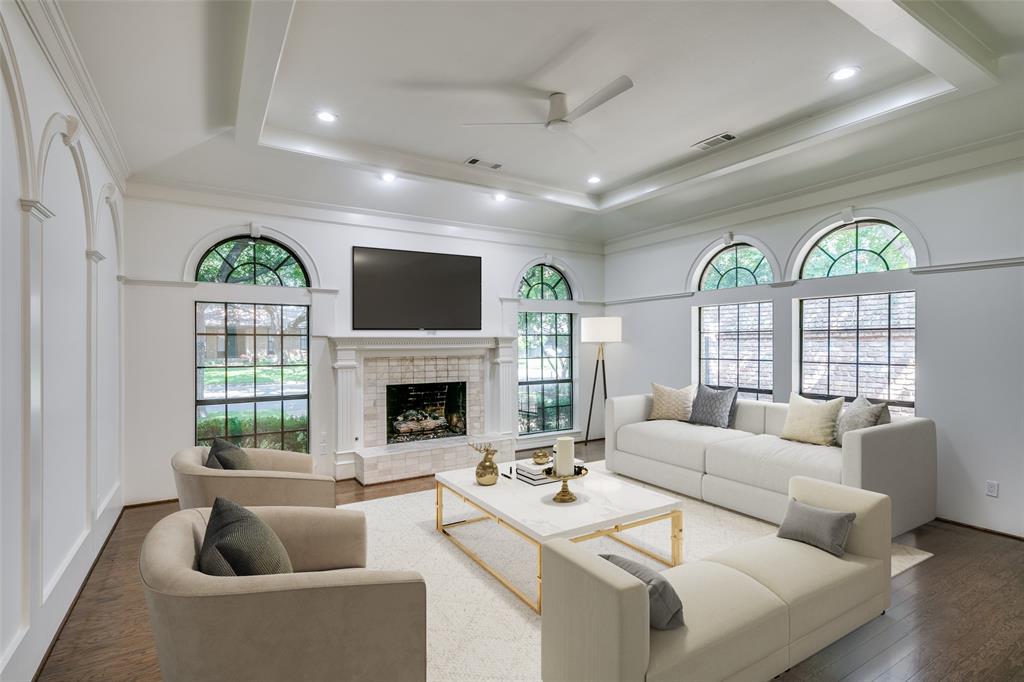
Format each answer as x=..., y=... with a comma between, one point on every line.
x=599, y=330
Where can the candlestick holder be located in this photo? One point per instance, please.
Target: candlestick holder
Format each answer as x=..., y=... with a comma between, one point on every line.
x=565, y=495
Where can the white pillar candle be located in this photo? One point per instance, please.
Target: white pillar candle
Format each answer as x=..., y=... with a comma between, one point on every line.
x=564, y=456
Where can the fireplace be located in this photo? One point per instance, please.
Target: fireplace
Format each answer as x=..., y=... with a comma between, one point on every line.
x=425, y=411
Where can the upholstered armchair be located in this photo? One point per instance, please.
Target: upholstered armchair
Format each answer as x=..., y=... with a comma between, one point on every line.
x=280, y=478
x=332, y=619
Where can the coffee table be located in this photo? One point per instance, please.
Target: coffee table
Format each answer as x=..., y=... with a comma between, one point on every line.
x=605, y=506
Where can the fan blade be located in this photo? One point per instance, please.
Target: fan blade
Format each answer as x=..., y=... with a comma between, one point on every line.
x=579, y=138
x=613, y=89
x=479, y=125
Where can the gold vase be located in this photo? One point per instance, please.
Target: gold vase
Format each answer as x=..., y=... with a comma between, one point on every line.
x=487, y=470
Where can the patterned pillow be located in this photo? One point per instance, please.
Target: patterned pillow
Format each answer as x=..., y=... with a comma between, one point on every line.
x=714, y=407
x=860, y=414
x=237, y=542
x=672, y=403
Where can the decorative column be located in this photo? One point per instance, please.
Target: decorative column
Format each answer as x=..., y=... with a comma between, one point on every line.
x=35, y=214
x=92, y=345
x=348, y=404
x=507, y=385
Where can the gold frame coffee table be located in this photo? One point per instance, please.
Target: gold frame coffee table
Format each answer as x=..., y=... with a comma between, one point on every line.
x=605, y=506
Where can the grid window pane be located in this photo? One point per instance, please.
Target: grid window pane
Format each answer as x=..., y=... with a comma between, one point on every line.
x=736, y=348
x=545, y=372
x=859, y=345
x=259, y=356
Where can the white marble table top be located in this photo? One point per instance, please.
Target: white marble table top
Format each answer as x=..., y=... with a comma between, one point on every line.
x=602, y=500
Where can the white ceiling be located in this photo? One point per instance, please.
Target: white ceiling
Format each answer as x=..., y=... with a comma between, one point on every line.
x=403, y=76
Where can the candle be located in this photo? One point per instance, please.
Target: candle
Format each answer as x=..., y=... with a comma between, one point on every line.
x=564, y=456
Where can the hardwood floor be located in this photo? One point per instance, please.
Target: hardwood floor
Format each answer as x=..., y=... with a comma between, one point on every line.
x=957, y=616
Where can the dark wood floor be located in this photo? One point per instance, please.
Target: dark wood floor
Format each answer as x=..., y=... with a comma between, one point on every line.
x=957, y=616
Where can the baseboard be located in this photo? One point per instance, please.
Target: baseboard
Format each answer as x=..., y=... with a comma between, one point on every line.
x=981, y=528
x=136, y=505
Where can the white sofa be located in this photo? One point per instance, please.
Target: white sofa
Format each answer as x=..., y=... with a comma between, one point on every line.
x=750, y=612
x=747, y=468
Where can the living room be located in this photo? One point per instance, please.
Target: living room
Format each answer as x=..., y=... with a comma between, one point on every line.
x=512, y=340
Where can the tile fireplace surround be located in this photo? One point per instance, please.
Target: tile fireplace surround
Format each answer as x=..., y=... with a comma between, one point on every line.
x=365, y=366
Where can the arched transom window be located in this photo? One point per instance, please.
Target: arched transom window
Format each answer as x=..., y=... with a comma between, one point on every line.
x=863, y=246
x=737, y=265
x=544, y=282
x=245, y=260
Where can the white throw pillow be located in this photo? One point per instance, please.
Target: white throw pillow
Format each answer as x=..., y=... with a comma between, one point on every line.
x=672, y=403
x=808, y=421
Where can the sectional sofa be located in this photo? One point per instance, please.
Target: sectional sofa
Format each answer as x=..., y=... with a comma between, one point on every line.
x=750, y=612
x=747, y=468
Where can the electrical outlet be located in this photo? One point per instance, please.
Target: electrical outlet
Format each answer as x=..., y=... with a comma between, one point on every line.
x=992, y=488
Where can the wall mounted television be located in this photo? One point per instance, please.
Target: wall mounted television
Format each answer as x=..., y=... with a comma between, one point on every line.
x=393, y=290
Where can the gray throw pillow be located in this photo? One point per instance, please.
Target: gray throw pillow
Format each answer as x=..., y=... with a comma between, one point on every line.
x=860, y=414
x=666, y=608
x=237, y=542
x=226, y=455
x=714, y=407
x=822, y=528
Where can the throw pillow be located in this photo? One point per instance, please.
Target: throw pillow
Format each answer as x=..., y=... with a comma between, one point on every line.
x=860, y=414
x=811, y=422
x=666, y=608
x=237, y=542
x=822, y=528
x=714, y=407
x=672, y=403
x=226, y=455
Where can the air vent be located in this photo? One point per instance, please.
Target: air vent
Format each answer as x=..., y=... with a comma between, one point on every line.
x=479, y=163
x=715, y=141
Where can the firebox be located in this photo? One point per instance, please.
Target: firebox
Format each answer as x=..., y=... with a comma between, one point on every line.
x=425, y=411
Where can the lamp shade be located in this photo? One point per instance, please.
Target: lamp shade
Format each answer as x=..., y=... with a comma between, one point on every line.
x=601, y=329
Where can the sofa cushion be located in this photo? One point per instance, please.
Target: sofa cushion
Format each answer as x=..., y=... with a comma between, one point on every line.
x=714, y=407
x=818, y=527
x=672, y=442
x=769, y=462
x=809, y=421
x=226, y=455
x=817, y=586
x=666, y=611
x=732, y=621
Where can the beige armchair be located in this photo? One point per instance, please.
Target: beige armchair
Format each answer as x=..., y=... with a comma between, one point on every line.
x=333, y=619
x=281, y=478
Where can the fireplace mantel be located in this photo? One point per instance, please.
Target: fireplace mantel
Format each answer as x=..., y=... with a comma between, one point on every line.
x=419, y=343
x=354, y=356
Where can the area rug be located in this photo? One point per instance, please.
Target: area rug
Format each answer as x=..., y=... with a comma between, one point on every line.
x=477, y=629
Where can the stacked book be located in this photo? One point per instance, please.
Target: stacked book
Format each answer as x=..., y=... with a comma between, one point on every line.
x=528, y=472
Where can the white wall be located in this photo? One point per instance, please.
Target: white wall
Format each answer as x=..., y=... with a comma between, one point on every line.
x=970, y=327
x=60, y=456
x=166, y=238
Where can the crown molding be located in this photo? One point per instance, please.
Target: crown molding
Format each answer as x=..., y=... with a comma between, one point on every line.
x=891, y=178
x=51, y=31
x=216, y=197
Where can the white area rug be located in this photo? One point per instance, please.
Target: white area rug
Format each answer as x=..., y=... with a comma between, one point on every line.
x=477, y=629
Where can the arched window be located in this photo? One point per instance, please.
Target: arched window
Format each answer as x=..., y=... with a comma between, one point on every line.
x=545, y=355
x=245, y=260
x=737, y=265
x=544, y=282
x=862, y=246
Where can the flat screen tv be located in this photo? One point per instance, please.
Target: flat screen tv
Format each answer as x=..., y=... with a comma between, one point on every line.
x=394, y=289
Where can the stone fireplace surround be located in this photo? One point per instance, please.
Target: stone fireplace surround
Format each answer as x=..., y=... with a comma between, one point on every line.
x=365, y=366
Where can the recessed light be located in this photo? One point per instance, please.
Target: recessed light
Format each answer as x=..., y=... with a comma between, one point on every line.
x=844, y=73
x=387, y=177
x=500, y=196
x=593, y=179
x=326, y=116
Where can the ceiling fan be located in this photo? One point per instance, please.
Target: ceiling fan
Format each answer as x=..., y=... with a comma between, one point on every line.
x=559, y=116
